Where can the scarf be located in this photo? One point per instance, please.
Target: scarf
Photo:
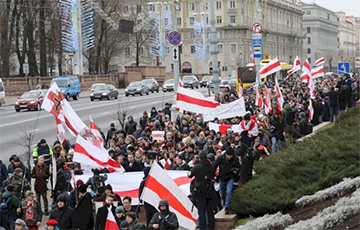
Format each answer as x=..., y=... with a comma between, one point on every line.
x=30, y=211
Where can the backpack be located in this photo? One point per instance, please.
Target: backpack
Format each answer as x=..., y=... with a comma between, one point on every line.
x=4, y=206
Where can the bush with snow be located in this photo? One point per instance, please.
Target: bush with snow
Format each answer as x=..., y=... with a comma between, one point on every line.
x=267, y=222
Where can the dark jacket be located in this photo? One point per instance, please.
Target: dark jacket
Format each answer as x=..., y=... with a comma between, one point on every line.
x=333, y=98
x=130, y=127
x=25, y=170
x=138, y=134
x=44, y=151
x=65, y=216
x=41, y=173
x=183, y=166
x=109, y=135
x=13, y=203
x=203, y=172
x=3, y=172
x=166, y=221
x=84, y=212
x=136, y=167
x=226, y=167
x=102, y=216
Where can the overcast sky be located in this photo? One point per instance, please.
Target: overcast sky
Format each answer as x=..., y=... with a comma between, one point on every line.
x=350, y=7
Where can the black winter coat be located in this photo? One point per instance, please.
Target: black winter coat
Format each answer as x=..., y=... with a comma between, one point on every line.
x=102, y=216
x=166, y=221
x=226, y=167
x=130, y=127
x=25, y=170
x=84, y=212
x=66, y=217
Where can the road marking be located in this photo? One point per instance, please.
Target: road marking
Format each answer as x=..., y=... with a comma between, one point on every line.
x=105, y=113
x=11, y=115
x=33, y=131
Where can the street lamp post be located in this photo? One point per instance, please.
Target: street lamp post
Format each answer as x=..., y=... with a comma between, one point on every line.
x=176, y=66
x=213, y=48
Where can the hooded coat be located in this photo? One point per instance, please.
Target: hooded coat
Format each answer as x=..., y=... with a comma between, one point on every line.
x=166, y=219
x=65, y=216
x=41, y=174
x=84, y=212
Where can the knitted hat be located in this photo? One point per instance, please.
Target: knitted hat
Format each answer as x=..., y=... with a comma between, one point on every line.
x=17, y=159
x=124, y=224
x=17, y=171
x=52, y=222
x=29, y=193
x=5, y=183
x=120, y=209
x=229, y=151
x=20, y=222
x=202, y=155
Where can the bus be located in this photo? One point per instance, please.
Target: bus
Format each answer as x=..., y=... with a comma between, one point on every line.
x=2, y=93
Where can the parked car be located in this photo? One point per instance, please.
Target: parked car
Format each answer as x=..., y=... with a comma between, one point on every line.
x=152, y=84
x=136, y=87
x=168, y=85
x=69, y=86
x=93, y=86
x=205, y=81
x=226, y=80
x=190, y=81
x=104, y=92
x=31, y=100
x=232, y=83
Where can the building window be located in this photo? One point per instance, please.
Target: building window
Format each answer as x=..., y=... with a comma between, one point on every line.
x=220, y=48
x=309, y=51
x=206, y=6
x=309, y=60
x=192, y=49
x=192, y=19
x=191, y=35
x=308, y=12
x=141, y=51
x=233, y=48
x=138, y=8
x=207, y=20
x=232, y=4
x=308, y=29
x=127, y=51
x=151, y=7
x=126, y=9
x=218, y=5
x=219, y=34
x=179, y=21
x=192, y=6
x=218, y=20
x=232, y=34
x=308, y=40
x=232, y=19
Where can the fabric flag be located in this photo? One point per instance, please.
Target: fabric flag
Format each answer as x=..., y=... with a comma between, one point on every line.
x=252, y=56
x=306, y=69
x=60, y=131
x=312, y=88
x=259, y=99
x=272, y=67
x=95, y=132
x=268, y=104
x=220, y=145
x=241, y=91
x=54, y=171
x=56, y=104
x=296, y=66
x=193, y=101
x=311, y=110
x=320, y=61
x=166, y=163
x=89, y=154
x=223, y=128
x=250, y=126
x=180, y=83
x=110, y=221
x=160, y=186
x=317, y=72
x=279, y=96
x=305, y=78
x=224, y=111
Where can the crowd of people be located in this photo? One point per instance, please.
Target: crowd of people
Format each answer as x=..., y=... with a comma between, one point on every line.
x=216, y=160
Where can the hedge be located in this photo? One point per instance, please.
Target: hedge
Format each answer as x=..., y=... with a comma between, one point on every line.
x=302, y=169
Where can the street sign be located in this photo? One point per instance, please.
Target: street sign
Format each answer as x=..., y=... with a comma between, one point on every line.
x=256, y=27
x=175, y=52
x=357, y=62
x=343, y=67
x=257, y=42
x=26, y=68
x=174, y=38
x=257, y=52
x=256, y=36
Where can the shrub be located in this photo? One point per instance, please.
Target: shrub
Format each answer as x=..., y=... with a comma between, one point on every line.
x=302, y=169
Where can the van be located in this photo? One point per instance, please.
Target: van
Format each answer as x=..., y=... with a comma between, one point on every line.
x=69, y=86
x=2, y=93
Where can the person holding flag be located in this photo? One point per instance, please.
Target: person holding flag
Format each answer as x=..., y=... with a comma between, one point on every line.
x=164, y=219
x=106, y=214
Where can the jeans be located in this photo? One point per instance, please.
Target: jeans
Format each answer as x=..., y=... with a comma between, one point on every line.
x=334, y=110
x=205, y=208
x=352, y=100
x=274, y=142
x=226, y=190
x=43, y=195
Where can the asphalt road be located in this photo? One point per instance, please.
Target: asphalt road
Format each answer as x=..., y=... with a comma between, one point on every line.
x=15, y=126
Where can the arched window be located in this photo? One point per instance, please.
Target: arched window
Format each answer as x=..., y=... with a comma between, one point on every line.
x=309, y=51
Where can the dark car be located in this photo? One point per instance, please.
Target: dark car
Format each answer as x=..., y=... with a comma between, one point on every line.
x=152, y=84
x=168, y=85
x=31, y=100
x=93, y=86
x=190, y=81
x=104, y=92
x=136, y=87
x=205, y=81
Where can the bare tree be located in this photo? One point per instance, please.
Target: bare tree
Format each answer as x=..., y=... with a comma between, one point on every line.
x=26, y=143
x=121, y=111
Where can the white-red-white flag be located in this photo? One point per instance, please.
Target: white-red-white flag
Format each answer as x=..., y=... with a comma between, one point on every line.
x=267, y=102
x=222, y=128
x=320, y=61
x=160, y=186
x=311, y=110
x=279, y=96
x=251, y=126
x=220, y=145
x=166, y=163
x=110, y=221
x=272, y=67
x=89, y=154
x=95, y=131
x=193, y=101
x=56, y=104
x=241, y=90
x=296, y=66
x=305, y=78
x=60, y=131
x=259, y=99
x=317, y=72
x=306, y=69
x=252, y=56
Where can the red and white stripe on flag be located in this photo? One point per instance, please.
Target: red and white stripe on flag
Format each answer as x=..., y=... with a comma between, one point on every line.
x=317, y=72
x=193, y=101
x=223, y=128
x=251, y=126
x=268, y=104
x=110, y=221
x=320, y=61
x=89, y=154
x=94, y=130
x=166, y=163
x=311, y=110
x=160, y=186
x=259, y=99
x=306, y=68
x=296, y=66
x=279, y=95
x=272, y=67
x=305, y=78
x=60, y=131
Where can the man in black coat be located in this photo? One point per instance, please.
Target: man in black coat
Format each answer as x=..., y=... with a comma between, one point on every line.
x=64, y=215
x=229, y=168
x=3, y=172
x=333, y=103
x=132, y=165
x=18, y=164
x=204, y=192
x=84, y=210
x=110, y=133
x=165, y=219
x=130, y=126
x=149, y=209
x=103, y=212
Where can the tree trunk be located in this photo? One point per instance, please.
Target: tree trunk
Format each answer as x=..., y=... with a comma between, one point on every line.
x=98, y=50
x=29, y=29
x=5, y=45
x=42, y=42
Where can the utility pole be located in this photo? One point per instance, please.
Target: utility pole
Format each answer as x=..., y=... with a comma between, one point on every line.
x=213, y=48
x=176, y=65
x=257, y=60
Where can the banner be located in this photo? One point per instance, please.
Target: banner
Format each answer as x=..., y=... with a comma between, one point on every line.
x=233, y=109
x=157, y=135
